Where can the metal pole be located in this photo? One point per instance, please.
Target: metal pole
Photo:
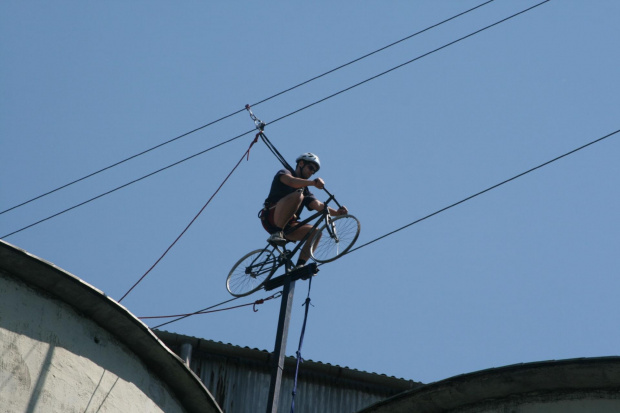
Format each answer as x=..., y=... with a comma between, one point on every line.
x=280, y=346
x=186, y=353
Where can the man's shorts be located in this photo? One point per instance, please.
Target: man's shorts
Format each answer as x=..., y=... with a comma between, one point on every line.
x=266, y=216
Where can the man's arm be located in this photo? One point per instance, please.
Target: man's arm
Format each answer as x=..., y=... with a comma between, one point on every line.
x=317, y=205
x=297, y=183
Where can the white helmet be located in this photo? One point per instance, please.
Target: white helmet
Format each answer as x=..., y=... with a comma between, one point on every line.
x=309, y=157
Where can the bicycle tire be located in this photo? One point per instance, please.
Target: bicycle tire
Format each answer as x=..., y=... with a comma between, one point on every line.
x=250, y=272
x=337, y=236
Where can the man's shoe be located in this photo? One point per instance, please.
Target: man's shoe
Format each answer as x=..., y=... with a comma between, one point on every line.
x=295, y=268
x=277, y=238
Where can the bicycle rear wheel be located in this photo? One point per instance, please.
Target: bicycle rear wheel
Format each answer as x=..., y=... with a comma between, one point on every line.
x=337, y=236
x=250, y=272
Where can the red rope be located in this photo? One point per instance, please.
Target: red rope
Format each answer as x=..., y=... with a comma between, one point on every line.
x=252, y=144
x=192, y=221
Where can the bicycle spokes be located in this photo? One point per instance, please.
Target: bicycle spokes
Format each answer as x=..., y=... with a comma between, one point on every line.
x=335, y=238
x=262, y=262
x=250, y=272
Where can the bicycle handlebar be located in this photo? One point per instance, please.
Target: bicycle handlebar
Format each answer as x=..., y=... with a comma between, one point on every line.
x=332, y=197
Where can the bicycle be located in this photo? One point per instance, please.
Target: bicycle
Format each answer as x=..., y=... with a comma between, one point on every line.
x=337, y=236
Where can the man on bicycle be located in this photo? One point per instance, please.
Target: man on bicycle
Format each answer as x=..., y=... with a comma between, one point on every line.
x=288, y=195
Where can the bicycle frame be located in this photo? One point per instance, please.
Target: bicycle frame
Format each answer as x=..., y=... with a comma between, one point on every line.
x=284, y=255
x=325, y=216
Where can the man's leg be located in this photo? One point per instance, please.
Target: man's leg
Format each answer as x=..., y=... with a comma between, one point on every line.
x=286, y=208
x=282, y=214
x=298, y=235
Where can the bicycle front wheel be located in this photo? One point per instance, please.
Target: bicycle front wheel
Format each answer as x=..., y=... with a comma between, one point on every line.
x=335, y=238
x=250, y=272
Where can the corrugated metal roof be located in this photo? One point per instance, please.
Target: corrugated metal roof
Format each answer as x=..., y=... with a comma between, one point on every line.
x=176, y=340
x=239, y=377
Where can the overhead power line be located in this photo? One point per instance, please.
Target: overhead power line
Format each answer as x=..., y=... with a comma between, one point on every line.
x=210, y=310
x=125, y=185
x=411, y=61
x=241, y=110
x=204, y=310
x=485, y=191
x=288, y=115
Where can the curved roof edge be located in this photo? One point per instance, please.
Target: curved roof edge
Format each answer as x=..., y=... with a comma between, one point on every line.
x=571, y=375
x=114, y=318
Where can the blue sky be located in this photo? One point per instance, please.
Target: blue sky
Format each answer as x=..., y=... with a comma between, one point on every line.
x=525, y=272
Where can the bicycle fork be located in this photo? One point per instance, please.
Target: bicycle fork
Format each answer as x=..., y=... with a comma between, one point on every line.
x=333, y=232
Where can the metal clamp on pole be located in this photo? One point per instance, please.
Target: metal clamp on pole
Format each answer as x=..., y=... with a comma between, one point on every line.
x=260, y=125
x=303, y=273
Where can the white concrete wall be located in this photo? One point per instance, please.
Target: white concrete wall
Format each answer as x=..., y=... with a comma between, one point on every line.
x=54, y=360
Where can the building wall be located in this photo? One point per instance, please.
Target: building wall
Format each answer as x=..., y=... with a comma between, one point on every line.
x=240, y=386
x=239, y=379
x=52, y=359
